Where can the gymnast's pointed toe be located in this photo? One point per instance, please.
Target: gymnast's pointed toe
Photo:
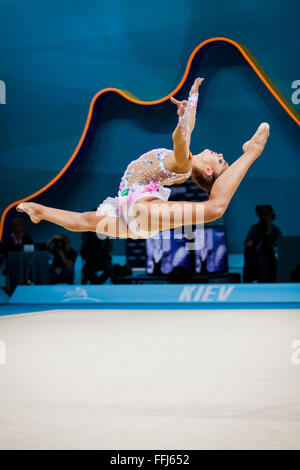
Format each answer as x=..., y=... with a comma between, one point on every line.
x=31, y=209
x=258, y=141
x=20, y=207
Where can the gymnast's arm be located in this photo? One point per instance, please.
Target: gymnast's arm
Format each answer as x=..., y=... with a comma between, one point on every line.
x=186, y=123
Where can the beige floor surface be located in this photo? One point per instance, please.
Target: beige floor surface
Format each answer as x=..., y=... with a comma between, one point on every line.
x=184, y=379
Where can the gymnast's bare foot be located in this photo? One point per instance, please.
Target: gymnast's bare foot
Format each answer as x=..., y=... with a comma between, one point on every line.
x=257, y=143
x=32, y=209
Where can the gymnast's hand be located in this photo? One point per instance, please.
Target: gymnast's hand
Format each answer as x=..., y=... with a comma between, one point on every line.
x=181, y=105
x=196, y=85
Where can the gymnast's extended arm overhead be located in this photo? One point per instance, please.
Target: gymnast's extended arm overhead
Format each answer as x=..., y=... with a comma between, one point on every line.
x=186, y=123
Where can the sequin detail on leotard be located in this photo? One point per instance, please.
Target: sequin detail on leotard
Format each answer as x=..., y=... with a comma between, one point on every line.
x=148, y=168
x=145, y=177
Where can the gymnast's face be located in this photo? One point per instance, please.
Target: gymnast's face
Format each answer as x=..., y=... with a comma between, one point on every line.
x=209, y=162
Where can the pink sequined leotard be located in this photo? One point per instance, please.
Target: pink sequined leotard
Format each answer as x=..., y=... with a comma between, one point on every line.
x=149, y=168
x=146, y=176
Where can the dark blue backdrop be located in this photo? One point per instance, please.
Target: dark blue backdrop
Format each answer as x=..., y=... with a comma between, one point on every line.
x=55, y=56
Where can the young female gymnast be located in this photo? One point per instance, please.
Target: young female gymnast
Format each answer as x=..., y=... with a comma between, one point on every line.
x=142, y=208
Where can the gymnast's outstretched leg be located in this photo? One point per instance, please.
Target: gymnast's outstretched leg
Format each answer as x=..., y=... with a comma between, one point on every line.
x=154, y=214
x=77, y=221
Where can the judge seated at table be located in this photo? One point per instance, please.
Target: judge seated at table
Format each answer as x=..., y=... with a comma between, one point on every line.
x=17, y=239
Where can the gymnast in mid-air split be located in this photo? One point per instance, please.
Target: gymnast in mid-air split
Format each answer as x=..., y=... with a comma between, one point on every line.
x=141, y=208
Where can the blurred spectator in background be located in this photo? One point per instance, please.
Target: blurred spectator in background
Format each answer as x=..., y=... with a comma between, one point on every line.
x=64, y=257
x=17, y=239
x=96, y=257
x=14, y=242
x=260, y=260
